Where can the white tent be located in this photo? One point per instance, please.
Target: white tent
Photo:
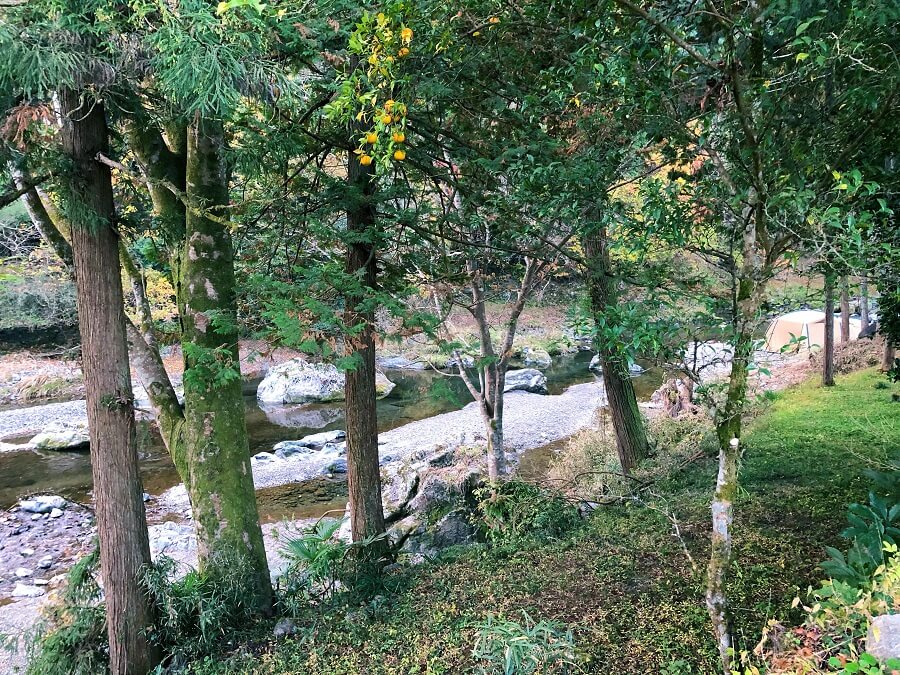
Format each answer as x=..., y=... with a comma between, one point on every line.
x=806, y=324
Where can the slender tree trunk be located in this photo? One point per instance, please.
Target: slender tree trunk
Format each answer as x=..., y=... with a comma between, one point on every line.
x=631, y=436
x=845, y=311
x=121, y=521
x=864, y=304
x=363, y=472
x=40, y=217
x=215, y=432
x=888, y=355
x=728, y=430
x=828, y=351
x=490, y=395
x=139, y=293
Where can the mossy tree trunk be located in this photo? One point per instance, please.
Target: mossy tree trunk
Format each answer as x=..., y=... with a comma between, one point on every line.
x=828, y=348
x=752, y=270
x=121, y=521
x=631, y=436
x=39, y=214
x=363, y=472
x=215, y=433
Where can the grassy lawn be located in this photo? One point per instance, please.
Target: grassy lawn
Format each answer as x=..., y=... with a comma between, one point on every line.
x=623, y=582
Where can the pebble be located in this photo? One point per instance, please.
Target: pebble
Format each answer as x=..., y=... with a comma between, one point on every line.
x=56, y=513
x=45, y=562
x=27, y=552
x=23, y=572
x=41, y=582
x=36, y=516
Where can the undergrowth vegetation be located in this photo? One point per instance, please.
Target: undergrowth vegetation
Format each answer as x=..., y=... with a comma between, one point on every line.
x=620, y=590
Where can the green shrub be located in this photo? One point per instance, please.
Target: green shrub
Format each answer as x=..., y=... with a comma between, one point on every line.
x=320, y=564
x=72, y=640
x=35, y=294
x=871, y=526
x=513, y=648
x=196, y=613
x=514, y=510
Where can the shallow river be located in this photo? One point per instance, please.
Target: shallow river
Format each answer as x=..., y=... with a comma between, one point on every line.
x=418, y=395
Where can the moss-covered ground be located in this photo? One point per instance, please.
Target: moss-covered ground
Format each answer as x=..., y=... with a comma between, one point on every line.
x=622, y=581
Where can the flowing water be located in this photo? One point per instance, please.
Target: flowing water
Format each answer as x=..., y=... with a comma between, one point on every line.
x=417, y=395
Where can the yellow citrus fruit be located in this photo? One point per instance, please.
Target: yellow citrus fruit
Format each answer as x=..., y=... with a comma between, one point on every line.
x=403, y=51
x=389, y=104
x=406, y=34
x=365, y=160
x=476, y=33
x=386, y=119
x=494, y=19
x=399, y=155
x=399, y=137
x=371, y=137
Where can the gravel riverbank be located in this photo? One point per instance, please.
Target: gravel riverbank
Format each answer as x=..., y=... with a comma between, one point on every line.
x=29, y=421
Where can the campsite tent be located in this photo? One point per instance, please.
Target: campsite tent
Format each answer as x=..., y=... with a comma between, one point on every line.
x=807, y=324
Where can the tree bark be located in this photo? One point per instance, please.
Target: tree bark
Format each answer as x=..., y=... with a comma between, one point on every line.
x=121, y=521
x=363, y=472
x=40, y=216
x=888, y=355
x=845, y=311
x=828, y=351
x=631, y=436
x=139, y=293
x=215, y=433
x=864, y=304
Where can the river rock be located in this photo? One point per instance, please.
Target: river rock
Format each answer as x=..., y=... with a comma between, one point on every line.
x=298, y=381
x=23, y=572
x=453, y=529
x=43, y=504
x=633, y=368
x=27, y=591
x=400, y=363
x=59, y=436
x=528, y=379
x=467, y=361
x=326, y=440
x=45, y=562
x=883, y=639
x=264, y=458
x=170, y=537
x=338, y=466
x=535, y=358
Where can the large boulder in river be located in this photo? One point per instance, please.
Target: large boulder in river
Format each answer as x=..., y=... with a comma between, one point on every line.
x=298, y=381
x=528, y=379
x=59, y=436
